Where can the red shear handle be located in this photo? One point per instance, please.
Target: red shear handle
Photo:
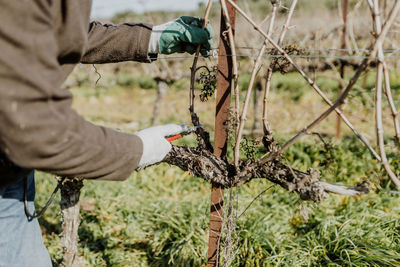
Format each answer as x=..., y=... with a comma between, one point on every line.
x=173, y=138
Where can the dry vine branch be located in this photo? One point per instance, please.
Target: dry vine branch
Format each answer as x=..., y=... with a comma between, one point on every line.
x=205, y=165
x=378, y=97
x=271, y=67
x=312, y=82
x=350, y=16
x=193, y=69
x=254, y=199
x=373, y=50
x=388, y=93
x=381, y=61
x=203, y=137
x=256, y=68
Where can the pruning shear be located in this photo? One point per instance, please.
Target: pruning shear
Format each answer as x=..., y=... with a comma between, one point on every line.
x=187, y=131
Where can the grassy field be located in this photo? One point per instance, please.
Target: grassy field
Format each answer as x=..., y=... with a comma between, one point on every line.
x=159, y=216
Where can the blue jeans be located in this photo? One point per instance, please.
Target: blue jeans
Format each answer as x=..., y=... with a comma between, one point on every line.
x=21, y=241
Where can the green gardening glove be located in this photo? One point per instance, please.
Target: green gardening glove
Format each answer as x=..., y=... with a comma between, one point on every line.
x=181, y=35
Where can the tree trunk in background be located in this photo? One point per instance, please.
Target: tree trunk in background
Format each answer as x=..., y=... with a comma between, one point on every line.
x=258, y=89
x=162, y=88
x=342, y=63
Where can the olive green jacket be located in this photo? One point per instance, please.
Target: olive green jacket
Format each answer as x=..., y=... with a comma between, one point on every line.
x=40, y=43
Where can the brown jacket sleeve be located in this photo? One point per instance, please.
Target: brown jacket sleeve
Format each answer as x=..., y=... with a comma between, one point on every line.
x=38, y=128
x=115, y=43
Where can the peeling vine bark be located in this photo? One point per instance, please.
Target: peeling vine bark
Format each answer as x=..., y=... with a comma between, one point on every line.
x=205, y=165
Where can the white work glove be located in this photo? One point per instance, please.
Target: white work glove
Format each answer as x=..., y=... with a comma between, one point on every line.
x=155, y=145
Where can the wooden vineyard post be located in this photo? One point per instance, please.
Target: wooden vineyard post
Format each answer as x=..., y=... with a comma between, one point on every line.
x=224, y=79
x=343, y=46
